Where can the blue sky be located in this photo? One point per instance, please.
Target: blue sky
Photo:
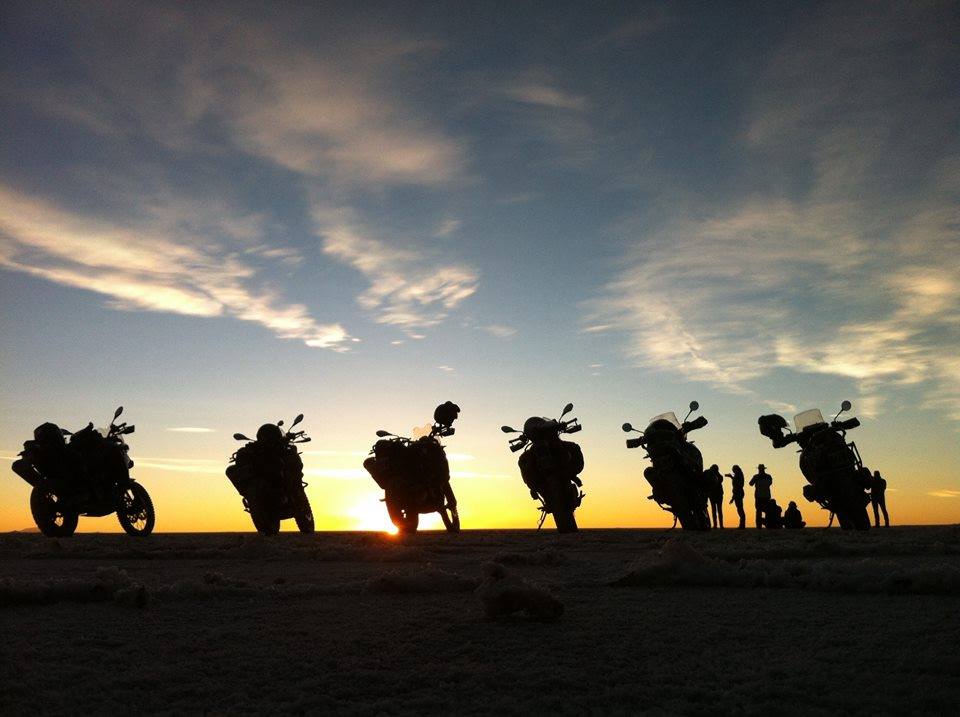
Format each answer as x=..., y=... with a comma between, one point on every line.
x=219, y=212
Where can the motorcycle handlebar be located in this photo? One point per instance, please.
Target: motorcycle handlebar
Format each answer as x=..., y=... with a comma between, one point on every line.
x=784, y=440
x=572, y=429
x=634, y=442
x=695, y=424
x=846, y=425
x=514, y=447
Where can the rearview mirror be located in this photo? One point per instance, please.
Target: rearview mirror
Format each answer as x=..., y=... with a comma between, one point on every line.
x=566, y=410
x=383, y=434
x=507, y=429
x=694, y=406
x=116, y=414
x=280, y=422
x=626, y=427
x=240, y=437
x=297, y=420
x=846, y=406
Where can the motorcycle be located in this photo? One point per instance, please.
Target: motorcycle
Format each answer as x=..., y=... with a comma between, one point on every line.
x=268, y=475
x=550, y=467
x=831, y=466
x=89, y=476
x=415, y=475
x=676, y=473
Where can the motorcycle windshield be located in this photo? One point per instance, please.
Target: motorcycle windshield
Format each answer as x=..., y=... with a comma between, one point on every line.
x=807, y=419
x=421, y=431
x=670, y=417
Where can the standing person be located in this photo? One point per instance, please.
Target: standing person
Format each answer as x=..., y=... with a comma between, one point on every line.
x=715, y=493
x=761, y=492
x=878, y=491
x=736, y=479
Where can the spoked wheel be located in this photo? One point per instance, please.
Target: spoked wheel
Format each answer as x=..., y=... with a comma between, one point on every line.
x=51, y=517
x=304, y=516
x=450, y=518
x=406, y=521
x=135, y=510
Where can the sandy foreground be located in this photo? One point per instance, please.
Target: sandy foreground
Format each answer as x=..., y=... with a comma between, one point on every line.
x=813, y=621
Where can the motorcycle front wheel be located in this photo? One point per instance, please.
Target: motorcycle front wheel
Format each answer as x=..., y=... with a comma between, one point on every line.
x=135, y=510
x=51, y=518
x=562, y=512
x=450, y=518
x=304, y=516
x=853, y=514
x=406, y=521
x=264, y=519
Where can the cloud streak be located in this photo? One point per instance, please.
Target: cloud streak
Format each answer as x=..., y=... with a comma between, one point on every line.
x=408, y=287
x=139, y=269
x=835, y=280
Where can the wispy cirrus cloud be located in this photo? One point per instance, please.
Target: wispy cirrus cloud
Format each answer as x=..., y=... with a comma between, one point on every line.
x=501, y=331
x=945, y=493
x=836, y=279
x=331, y=117
x=138, y=268
x=182, y=465
x=408, y=286
x=329, y=110
x=541, y=92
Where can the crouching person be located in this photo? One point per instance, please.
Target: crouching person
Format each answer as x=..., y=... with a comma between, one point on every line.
x=792, y=517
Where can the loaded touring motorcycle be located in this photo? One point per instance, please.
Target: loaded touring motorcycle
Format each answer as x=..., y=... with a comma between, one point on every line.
x=676, y=473
x=550, y=467
x=268, y=475
x=415, y=475
x=89, y=476
x=831, y=466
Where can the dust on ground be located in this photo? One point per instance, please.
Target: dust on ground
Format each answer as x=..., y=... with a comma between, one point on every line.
x=603, y=621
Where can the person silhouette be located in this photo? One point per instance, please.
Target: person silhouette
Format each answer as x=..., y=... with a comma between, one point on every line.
x=761, y=492
x=878, y=491
x=714, y=481
x=736, y=479
x=773, y=515
x=792, y=517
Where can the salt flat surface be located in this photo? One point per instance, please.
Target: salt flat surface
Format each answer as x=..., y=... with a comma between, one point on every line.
x=808, y=622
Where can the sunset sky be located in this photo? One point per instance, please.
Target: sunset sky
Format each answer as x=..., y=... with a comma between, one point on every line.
x=219, y=214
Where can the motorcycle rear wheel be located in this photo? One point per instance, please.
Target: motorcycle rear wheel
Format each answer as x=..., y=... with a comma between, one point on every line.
x=135, y=510
x=52, y=520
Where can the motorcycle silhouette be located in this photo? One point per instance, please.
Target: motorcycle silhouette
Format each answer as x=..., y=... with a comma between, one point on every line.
x=268, y=475
x=831, y=466
x=676, y=473
x=550, y=467
x=415, y=475
x=88, y=476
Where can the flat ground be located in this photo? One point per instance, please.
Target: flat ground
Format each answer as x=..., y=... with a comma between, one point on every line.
x=813, y=621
